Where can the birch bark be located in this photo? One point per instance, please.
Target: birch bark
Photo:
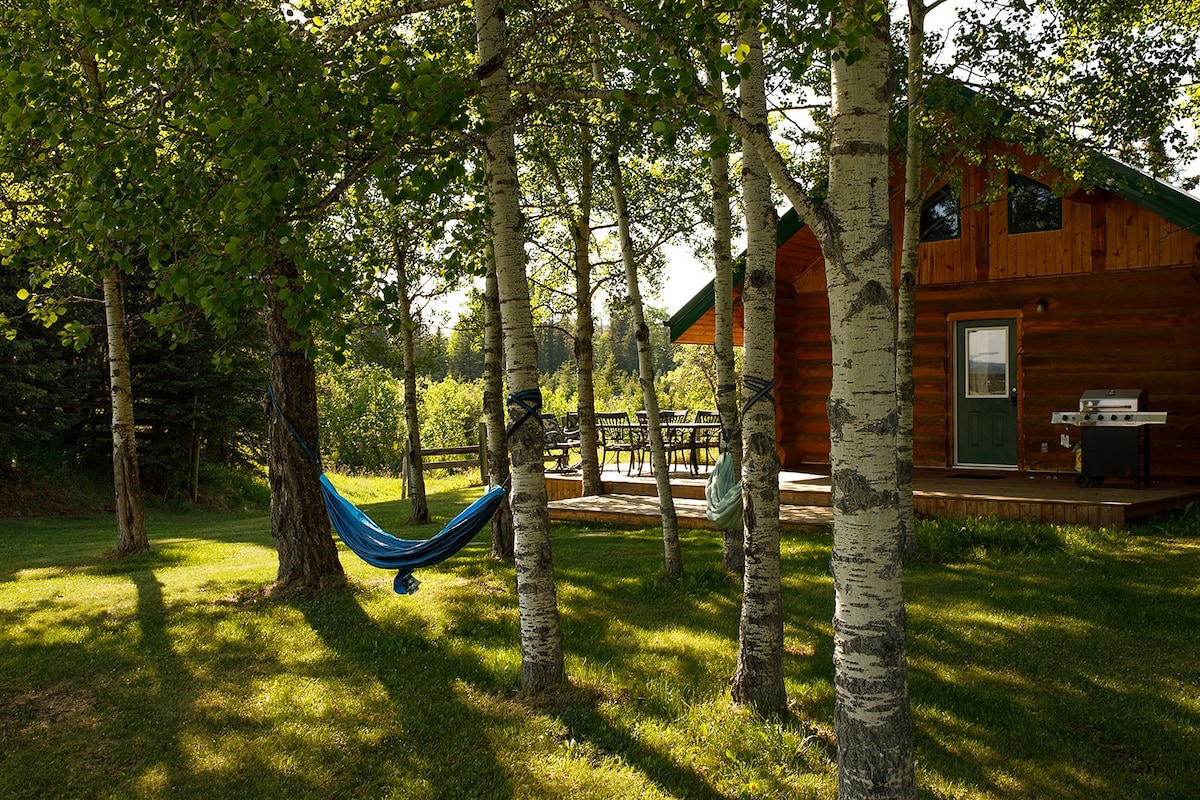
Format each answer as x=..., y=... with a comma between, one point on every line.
x=127, y=485
x=542, y=667
x=734, y=555
x=906, y=294
x=871, y=711
x=585, y=327
x=758, y=676
x=672, y=557
x=412, y=418
x=493, y=410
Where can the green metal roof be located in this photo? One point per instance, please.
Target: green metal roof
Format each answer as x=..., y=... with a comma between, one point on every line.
x=787, y=227
x=1175, y=206
x=1162, y=199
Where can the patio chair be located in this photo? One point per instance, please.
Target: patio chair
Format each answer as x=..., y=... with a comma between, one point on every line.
x=675, y=440
x=557, y=445
x=619, y=435
x=571, y=424
x=707, y=439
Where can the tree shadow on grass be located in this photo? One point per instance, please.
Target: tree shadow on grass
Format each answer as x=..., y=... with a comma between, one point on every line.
x=439, y=741
x=1057, y=676
x=581, y=715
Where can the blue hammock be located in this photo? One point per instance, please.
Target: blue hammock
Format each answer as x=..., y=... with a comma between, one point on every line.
x=380, y=549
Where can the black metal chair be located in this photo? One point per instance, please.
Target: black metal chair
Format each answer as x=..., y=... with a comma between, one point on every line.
x=619, y=435
x=675, y=440
x=707, y=439
x=557, y=444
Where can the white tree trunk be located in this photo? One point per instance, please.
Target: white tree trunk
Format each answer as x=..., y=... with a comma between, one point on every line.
x=412, y=419
x=493, y=410
x=673, y=558
x=872, y=718
x=906, y=295
x=542, y=666
x=727, y=406
x=872, y=715
x=127, y=485
x=758, y=676
x=585, y=328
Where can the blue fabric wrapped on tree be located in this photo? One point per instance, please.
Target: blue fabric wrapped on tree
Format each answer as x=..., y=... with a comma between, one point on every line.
x=723, y=495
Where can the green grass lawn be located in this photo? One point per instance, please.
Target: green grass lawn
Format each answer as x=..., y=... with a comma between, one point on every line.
x=1043, y=663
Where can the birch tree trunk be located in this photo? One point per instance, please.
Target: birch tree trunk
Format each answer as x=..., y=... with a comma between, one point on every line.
x=412, y=419
x=299, y=522
x=585, y=328
x=758, y=676
x=493, y=410
x=127, y=485
x=672, y=557
x=872, y=718
x=731, y=430
x=906, y=296
x=542, y=667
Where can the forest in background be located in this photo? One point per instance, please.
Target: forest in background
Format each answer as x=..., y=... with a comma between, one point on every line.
x=200, y=405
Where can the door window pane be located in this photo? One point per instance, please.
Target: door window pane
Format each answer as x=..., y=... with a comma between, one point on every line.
x=987, y=362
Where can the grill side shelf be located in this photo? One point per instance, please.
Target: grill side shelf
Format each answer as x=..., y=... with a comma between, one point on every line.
x=1106, y=418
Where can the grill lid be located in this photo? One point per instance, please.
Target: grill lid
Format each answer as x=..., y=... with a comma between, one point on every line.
x=1111, y=407
x=1112, y=400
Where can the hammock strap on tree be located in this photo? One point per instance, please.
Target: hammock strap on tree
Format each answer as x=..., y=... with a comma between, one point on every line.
x=726, y=433
x=723, y=490
x=760, y=389
x=528, y=400
x=311, y=452
x=381, y=549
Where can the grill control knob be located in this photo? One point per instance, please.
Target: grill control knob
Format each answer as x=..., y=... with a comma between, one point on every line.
x=1128, y=417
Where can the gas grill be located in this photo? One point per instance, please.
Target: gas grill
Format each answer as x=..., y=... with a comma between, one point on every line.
x=1114, y=435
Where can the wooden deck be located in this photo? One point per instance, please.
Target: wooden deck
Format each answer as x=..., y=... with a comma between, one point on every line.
x=805, y=499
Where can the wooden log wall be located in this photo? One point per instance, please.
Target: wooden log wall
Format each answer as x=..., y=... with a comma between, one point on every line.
x=1123, y=330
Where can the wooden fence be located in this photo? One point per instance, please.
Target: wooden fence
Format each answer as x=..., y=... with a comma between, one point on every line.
x=434, y=458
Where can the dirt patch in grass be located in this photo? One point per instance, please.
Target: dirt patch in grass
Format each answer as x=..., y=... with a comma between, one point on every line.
x=37, y=712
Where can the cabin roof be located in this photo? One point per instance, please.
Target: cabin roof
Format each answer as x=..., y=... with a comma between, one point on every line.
x=1126, y=182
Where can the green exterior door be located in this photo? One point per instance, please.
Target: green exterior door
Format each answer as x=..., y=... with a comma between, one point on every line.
x=986, y=393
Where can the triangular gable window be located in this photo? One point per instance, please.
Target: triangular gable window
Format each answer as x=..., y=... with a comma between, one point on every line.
x=1032, y=206
x=940, y=218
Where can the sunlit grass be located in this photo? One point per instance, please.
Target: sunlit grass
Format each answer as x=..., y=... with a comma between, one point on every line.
x=1043, y=663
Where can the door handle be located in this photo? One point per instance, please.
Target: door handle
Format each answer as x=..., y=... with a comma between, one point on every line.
x=1012, y=395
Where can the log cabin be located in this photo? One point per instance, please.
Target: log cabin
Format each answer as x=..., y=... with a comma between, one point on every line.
x=1025, y=301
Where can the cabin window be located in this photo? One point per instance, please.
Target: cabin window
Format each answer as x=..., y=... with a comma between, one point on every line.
x=1032, y=206
x=939, y=217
